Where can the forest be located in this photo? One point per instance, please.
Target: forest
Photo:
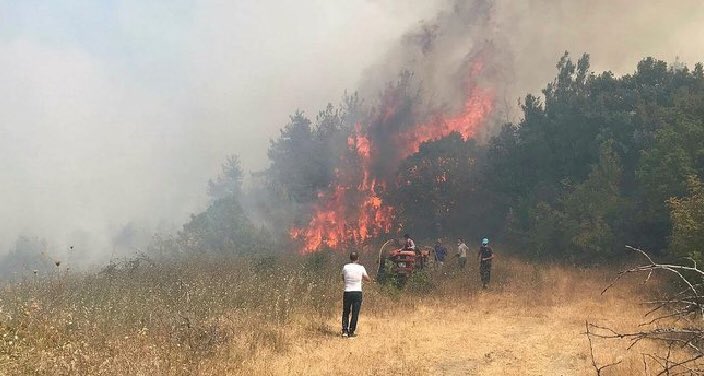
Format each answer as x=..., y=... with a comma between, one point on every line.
x=594, y=163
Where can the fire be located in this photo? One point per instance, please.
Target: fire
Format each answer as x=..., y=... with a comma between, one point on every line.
x=353, y=211
x=477, y=107
x=336, y=220
x=335, y=223
x=327, y=226
x=359, y=142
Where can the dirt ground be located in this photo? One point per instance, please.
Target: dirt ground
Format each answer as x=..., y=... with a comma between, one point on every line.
x=505, y=332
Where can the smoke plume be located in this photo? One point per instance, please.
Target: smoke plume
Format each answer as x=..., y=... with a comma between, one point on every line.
x=115, y=115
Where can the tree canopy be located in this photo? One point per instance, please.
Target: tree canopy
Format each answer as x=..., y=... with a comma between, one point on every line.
x=595, y=162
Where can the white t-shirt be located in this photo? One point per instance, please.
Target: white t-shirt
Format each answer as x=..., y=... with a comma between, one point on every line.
x=352, y=273
x=462, y=250
x=410, y=244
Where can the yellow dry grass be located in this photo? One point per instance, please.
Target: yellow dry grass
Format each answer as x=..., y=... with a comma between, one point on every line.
x=523, y=326
x=280, y=316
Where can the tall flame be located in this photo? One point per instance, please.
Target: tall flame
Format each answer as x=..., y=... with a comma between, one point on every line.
x=352, y=211
x=478, y=106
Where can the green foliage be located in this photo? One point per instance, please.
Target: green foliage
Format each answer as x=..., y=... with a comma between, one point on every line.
x=437, y=185
x=222, y=229
x=303, y=158
x=592, y=211
x=590, y=167
x=295, y=144
x=229, y=182
x=420, y=282
x=545, y=233
x=688, y=221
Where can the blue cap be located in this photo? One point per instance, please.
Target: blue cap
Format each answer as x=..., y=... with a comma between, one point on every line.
x=485, y=241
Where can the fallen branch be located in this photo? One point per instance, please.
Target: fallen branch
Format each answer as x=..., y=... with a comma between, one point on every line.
x=684, y=342
x=591, y=353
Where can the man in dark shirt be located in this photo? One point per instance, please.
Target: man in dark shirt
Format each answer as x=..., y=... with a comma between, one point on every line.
x=440, y=253
x=486, y=254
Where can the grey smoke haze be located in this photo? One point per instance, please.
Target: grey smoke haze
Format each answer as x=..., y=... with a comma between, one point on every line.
x=528, y=37
x=112, y=112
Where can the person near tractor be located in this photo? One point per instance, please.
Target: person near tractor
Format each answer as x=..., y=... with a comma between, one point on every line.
x=486, y=254
x=353, y=274
x=410, y=245
x=462, y=250
x=440, y=253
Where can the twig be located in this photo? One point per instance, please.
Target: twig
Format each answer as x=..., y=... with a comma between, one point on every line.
x=684, y=305
x=591, y=353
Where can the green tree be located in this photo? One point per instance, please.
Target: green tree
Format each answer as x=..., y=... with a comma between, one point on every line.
x=438, y=190
x=652, y=120
x=545, y=236
x=594, y=208
x=676, y=152
x=229, y=181
x=302, y=161
x=222, y=229
x=687, y=215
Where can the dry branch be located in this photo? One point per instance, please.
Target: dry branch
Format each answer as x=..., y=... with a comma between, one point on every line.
x=591, y=353
x=674, y=322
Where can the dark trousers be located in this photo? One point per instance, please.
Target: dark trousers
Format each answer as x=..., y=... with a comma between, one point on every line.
x=351, y=303
x=485, y=272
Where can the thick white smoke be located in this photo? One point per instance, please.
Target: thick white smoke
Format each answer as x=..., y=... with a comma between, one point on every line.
x=120, y=113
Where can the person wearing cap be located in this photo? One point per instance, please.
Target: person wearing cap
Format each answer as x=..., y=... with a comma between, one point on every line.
x=486, y=254
x=352, y=274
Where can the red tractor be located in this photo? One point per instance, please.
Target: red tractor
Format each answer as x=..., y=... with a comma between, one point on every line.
x=401, y=263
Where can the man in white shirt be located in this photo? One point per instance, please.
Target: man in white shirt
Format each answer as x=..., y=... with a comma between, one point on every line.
x=462, y=252
x=409, y=243
x=352, y=274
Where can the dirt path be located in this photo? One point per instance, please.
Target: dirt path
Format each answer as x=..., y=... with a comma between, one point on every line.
x=489, y=336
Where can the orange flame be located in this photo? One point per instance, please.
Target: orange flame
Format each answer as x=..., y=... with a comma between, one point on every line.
x=477, y=107
x=352, y=213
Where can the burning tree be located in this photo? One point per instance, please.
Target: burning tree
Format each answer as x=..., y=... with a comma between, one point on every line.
x=352, y=209
x=450, y=70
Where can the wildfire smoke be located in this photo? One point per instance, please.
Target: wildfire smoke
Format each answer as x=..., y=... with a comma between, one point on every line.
x=352, y=210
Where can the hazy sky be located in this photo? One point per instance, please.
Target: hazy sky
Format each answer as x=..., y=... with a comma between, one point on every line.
x=118, y=110
x=112, y=111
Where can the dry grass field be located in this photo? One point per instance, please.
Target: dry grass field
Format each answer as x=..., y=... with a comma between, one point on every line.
x=279, y=316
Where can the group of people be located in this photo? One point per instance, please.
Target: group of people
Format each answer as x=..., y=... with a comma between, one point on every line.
x=484, y=255
x=353, y=274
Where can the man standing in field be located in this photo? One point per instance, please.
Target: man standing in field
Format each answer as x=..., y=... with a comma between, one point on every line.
x=440, y=253
x=486, y=254
x=462, y=250
x=352, y=274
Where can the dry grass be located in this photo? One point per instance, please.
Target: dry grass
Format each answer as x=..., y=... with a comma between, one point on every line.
x=279, y=316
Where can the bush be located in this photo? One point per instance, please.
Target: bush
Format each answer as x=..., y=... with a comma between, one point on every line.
x=687, y=215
